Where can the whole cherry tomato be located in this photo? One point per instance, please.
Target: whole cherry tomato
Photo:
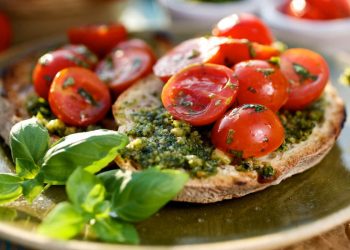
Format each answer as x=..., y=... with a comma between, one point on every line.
x=123, y=67
x=307, y=73
x=261, y=83
x=316, y=9
x=100, y=39
x=78, y=97
x=244, y=26
x=49, y=64
x=200, y=94
x=251, y=130
x=5, y=32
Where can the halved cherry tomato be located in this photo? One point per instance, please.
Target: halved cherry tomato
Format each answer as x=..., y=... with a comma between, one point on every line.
x=316, y=9
x=200, y=94
x=307, y=73
x=78, y=97
x=5, y=31
x=83, y=53
x=136, y=43
x=49, y=64
x=261, y=83
x=100, y=39
x=217, y=50
x=251, y=130
x=196, y=50
x=244, y=26
x=124, y=67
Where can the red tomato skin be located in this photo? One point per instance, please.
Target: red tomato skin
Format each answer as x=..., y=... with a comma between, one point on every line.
x=100, y=39
x=5, y=31
x=208, y=89
x=237, y=50
x=317, y=9
x=69, y=106
x=244, y=26
x=261, y=83
x=47, y=67
x=303, y=94
x=124, y=67
x=250, y=132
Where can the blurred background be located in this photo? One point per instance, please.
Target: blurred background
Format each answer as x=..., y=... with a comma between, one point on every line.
x=309, y=23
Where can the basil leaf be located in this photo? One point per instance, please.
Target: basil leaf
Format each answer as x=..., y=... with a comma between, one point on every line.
x=32, y=188
x=115, y=231
x=29, y=141
x=109, y=181
x=139, y=197
x=63, y=222
x=85, y=190
x=90, y=150
x=10, y=188
x=26, y=168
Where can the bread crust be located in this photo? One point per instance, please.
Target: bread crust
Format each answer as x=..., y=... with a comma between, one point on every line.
x=229, y=183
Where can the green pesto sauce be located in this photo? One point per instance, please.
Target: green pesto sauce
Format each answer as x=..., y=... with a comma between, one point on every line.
x=168, y=143
x=40, y=108
x=298, y=125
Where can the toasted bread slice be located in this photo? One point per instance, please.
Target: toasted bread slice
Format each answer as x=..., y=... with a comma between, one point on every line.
x=229, y=183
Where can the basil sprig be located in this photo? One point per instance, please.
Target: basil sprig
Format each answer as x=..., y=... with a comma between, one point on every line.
x=37, y=164
x=104, y=205
x=134, y=197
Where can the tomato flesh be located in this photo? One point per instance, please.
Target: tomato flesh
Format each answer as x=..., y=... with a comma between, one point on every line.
x=307, y=73
x=51, y=63
x=124, y=67
x=100, y=39
x=193, y=51
x=261, y=83
x=200, y=94
x=250, y=130
x=244, y=26
x=78, y=97
x=83, y=53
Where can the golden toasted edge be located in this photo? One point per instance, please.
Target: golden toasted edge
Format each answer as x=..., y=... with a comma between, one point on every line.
x=229, y=183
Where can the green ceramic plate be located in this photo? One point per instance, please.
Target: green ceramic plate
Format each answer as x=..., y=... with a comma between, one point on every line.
x=300, y=207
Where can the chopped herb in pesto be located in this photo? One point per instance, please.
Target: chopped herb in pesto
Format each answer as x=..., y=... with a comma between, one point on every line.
x=68, y=82
x=298, y=125
x=168, y=143
x=87, y=96
x=275, y=60
x=251, y=89
x=252, y=52
x=37, y=105
x=256, y=107
x=266, y=72
x=194, y=54
x=229, y=138
x=303, y=73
